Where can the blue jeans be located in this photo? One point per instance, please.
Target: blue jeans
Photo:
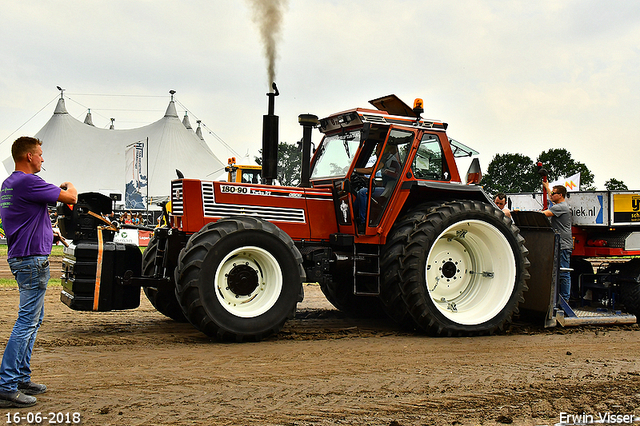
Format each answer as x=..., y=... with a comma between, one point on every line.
x=32, y=275
x=565, y=276
x=360, y=205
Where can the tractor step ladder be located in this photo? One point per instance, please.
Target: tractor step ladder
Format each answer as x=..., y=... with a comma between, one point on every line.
x=366, y=269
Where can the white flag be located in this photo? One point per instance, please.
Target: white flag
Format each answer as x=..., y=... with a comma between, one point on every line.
x=136, y=176
x=572, y=183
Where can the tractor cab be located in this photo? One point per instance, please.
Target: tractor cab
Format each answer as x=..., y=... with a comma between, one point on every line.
x=243, y=173
x=372, y=159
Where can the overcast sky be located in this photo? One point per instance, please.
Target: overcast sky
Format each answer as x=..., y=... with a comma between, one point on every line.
x=508, y=76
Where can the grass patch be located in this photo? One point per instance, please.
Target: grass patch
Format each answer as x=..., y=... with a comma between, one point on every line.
x=10, y=282
x=56, y=251
x=7, y=282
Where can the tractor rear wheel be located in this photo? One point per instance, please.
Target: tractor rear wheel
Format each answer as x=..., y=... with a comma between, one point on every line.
x=391, y=292
x=239, y=279
x=463, y=270
x=162, y=297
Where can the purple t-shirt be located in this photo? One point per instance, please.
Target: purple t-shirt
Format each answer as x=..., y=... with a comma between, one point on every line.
x=25, y=217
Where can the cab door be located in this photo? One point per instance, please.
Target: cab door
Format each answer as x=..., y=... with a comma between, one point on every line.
x=388, y=172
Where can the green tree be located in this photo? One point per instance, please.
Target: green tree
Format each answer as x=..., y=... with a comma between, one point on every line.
x=289, y=163
x=558, y=163
x=614, y=184
x=511, y=173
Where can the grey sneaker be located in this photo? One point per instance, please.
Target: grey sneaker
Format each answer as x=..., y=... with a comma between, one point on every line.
x=30, y=388
x=16, y=399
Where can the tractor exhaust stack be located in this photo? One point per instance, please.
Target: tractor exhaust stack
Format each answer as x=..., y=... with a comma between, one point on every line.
x=270, y=140
x=308, y=122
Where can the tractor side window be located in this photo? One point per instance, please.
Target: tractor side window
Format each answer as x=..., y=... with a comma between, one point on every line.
x=392, y=159
x=374, y=141
x=428, y=163
x=335, y=155
x=251, y=176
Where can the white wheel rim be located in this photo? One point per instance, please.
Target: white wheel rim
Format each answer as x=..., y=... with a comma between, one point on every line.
x=470, y=272
x=261, y=266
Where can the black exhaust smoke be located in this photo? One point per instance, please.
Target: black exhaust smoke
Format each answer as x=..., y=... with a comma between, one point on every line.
x=270, y=140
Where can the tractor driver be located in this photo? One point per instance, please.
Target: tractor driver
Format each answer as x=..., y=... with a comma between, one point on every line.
x=388, y=170
x=360, y=202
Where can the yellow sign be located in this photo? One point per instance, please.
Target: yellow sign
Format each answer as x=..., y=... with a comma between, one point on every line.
x=626, y=207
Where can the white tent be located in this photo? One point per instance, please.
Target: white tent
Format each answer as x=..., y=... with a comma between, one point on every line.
x=93, y=159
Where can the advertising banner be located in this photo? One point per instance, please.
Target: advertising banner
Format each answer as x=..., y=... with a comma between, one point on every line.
x=136, y=176
x=138, y=237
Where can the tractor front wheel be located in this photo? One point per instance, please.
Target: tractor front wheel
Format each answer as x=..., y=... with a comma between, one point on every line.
x=239, y=279
x=162, y=297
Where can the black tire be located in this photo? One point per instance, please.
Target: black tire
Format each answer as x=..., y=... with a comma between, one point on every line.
x=580, y=266
x=629, y=286
x=239, y=279
x=163, y=297
x=463, y=270
x=630, y=298
x=391, y=292
x=339, y=293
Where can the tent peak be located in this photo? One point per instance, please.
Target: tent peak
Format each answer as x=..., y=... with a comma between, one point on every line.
x=186, y=121
x=199, y=130
x=88, y=120
x=171, y=109
x=60, y=107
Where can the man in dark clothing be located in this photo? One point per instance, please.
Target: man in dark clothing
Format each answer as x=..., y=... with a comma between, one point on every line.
x=25, y=217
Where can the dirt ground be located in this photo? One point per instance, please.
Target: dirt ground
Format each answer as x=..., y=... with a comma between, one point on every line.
x=140, y=368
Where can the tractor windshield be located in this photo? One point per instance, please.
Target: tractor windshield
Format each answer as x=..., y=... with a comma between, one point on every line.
x=335, y=155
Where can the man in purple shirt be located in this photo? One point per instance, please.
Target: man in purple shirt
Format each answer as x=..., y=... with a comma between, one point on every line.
x=23, y=206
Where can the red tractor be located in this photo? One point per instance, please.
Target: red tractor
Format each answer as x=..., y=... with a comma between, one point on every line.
x=381, y=220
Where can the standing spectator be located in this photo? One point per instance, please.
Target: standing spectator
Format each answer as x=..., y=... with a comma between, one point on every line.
x=560, y=215
x=25, y=216
x=501, y=202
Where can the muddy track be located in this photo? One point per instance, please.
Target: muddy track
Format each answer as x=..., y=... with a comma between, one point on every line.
x=139, y=368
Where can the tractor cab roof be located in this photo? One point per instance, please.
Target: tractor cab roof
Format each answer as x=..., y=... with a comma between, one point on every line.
x=390, y=110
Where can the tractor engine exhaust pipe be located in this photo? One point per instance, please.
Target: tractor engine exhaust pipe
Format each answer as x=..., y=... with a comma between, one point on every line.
x=308, y=122
x=270, y=140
